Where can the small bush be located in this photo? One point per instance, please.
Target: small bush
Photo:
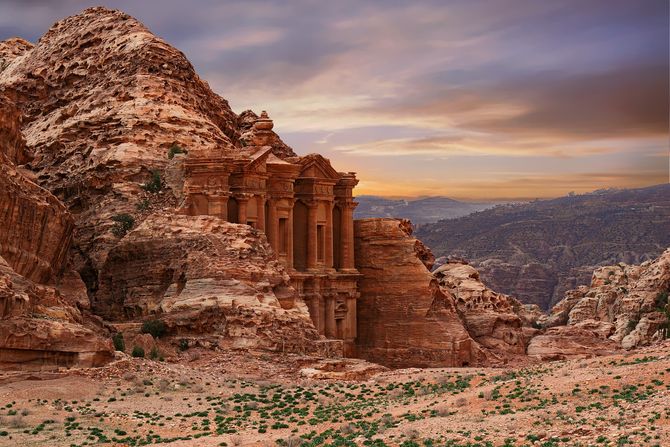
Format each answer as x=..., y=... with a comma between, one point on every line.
x=154, y=327
x=154, y=354
x=176, y=149
x=123, y=223
x=138, y=351
x=119, y=343
x=143, y=205
x=155, y=184
x=183, y=344
x=662, y=300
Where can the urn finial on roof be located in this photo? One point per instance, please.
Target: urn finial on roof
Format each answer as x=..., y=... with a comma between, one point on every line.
x=264, y=122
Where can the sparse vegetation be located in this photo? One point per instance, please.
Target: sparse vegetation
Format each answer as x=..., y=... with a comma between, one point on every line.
x=119, y=342
x=123, y=223
x=155, y=184
x=137, y=351
x=176, y=149
x=154, y=327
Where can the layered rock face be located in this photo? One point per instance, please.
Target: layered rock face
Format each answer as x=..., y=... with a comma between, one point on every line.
x=404, y=318
x=103, y=101
x=38, y=327
x=625, y=303
x=491, y=318
x=35, y=228
x=201, y=275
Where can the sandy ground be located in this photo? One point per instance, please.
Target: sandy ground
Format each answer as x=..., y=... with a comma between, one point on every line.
x=256, y=398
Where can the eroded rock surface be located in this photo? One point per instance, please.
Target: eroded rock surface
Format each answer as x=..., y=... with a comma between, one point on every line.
x=627, y=303
x=201, y=275
x=404, y=317
x=38, y=328
x=491, y=318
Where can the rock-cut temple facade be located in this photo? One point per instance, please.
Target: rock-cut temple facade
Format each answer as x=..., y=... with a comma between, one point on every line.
x=304, y=206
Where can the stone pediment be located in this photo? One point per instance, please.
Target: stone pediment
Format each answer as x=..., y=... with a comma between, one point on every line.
x=258, y=160
x=316, y=166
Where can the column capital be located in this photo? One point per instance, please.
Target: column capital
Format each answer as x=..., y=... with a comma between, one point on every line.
x=312, y=203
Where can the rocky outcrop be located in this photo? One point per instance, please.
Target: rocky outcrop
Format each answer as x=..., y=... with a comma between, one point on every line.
x=104, y=102
x=39, y=329
x=35, y=228
x=627, y=303
x=569, y=342
x=201, y=275
x=492, y=319
x=404, y=317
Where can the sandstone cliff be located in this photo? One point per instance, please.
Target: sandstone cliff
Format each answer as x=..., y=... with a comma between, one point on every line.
x=625, y=303
x=106, y=105
x=38, y=327
x=104, y=101
x=404, y=317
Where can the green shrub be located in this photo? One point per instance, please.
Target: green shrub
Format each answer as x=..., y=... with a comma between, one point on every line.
x=176, y=149
x=119, y=343
x=662, y=300
x=143, y=205
x=155, y=184
x=138, y=351
x=154, y=327
x=183, y=344
x=123, y=223
x=154, y=354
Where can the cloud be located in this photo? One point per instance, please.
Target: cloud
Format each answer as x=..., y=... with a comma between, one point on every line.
x=382, y=87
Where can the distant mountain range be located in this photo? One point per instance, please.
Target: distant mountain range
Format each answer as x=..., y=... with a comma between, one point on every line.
x=419, y=211
x=538, y=250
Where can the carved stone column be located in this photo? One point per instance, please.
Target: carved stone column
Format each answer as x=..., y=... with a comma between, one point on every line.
x=289, y=237
x=260, y=213
x=272, y=232
x=242, y=203
x=348, y=236
x=218, y=206
x=329, y=236
x=312, y=244
x=331, y=330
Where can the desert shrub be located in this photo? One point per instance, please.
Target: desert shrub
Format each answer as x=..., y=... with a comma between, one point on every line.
x=154, y=354
x=123, y=223
x=632, y=324
x=143, y=205
x=138, y=351
x=183, y=344
x=155, y=184
x=176, y=149
x=662, y=300
x=154, y=327
x=119, y=343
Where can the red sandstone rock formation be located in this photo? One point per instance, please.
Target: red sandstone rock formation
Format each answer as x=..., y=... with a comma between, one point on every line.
x=38, y=328
x=404, y=318
x=625, y=303
x=202, y=275
x=491, y=318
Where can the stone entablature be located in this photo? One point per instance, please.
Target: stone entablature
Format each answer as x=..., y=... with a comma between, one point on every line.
x=304, y=206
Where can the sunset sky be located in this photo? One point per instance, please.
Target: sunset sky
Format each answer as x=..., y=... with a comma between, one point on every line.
x=497, y=99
